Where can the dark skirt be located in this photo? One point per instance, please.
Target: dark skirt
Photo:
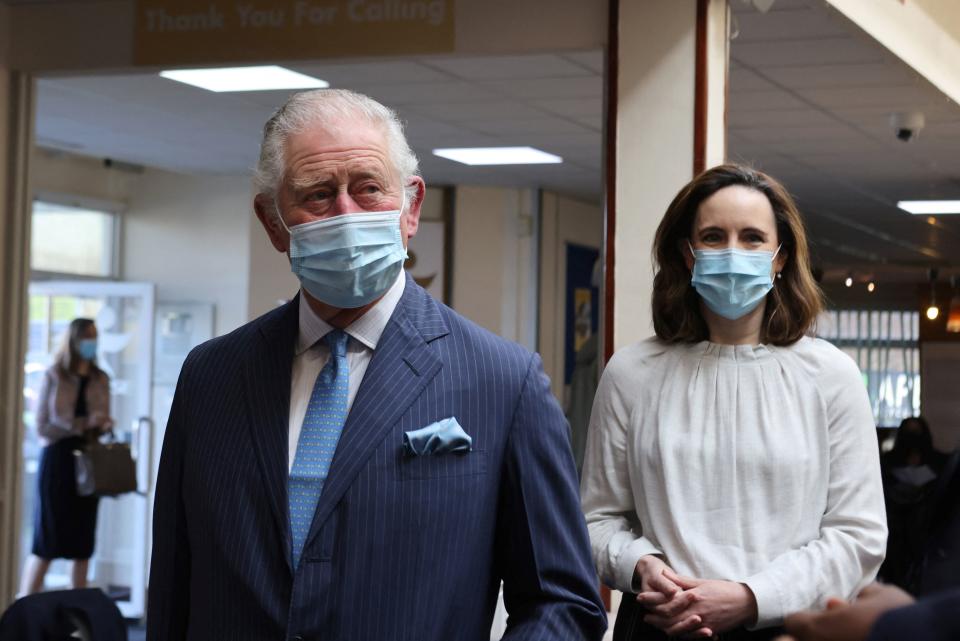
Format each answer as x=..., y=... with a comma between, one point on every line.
x=64, y=523
x=630, y=626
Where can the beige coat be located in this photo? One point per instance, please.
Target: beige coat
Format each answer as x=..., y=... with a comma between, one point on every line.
x=58, y=399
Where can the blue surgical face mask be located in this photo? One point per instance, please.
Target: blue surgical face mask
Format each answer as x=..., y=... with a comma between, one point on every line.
x=732, y=282
x=87, y=348
x=350, y=260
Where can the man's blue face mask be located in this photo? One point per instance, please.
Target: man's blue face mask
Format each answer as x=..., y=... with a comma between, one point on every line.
x=350, y=260
x=732, y=282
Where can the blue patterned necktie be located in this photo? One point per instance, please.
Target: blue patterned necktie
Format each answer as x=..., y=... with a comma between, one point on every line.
x=326, y=414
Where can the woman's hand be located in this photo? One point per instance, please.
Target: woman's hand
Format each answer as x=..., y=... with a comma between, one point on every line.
x=100, y=423
x=661, y=591
x=652, y=575
x=717, y=605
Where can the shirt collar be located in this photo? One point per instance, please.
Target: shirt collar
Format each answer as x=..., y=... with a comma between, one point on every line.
x=366, y=330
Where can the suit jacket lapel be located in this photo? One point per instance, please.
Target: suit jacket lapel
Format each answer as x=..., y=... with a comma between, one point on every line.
x=267, y=375
x=402, y=365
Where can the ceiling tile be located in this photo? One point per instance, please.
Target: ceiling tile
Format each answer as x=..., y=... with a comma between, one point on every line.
x=741, y=78
x=753, y=119
x=412, y=94
x=542, y=88
x=891, y=97
x=388, y=72
x=805, y=52
x=832, y=74
x=745, y=101
x=746, y=6
x=590, y=106
x=590, y=60
x=803, y=22
x=508, y=67
x=528, y=127
x=469, y=111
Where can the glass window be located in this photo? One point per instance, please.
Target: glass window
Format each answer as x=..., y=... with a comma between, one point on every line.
x=885, y=345
x=71, y=240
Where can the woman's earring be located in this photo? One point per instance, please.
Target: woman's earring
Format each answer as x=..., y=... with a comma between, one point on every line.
x=779, y=275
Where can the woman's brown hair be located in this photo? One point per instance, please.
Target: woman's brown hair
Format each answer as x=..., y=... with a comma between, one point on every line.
x=795, y=301
x=68, y=356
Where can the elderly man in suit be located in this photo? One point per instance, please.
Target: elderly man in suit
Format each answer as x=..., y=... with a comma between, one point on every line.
x=362, y=463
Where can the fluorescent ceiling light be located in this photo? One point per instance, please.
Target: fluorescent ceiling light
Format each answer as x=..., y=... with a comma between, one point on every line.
x=930, y=206
x=268, y=78
x=498, y=156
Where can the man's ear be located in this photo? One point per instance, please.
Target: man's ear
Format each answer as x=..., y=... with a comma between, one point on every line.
x=411, y=216
x=266, y=210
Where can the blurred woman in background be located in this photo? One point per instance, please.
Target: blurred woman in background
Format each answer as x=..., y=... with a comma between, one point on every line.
x=910, y=474
x=73, y=407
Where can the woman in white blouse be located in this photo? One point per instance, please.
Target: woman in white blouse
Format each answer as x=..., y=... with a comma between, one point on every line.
x=732, y=471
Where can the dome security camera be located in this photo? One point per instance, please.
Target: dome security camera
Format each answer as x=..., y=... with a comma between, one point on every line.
x=907, y=124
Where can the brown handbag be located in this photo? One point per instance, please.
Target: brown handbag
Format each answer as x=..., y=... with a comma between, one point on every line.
x=105, y=469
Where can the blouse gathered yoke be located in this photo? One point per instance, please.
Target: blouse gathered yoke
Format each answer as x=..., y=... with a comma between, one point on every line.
x=57, y=401
x=755, y=464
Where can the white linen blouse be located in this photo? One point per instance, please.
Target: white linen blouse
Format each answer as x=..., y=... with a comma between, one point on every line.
x=755, y=464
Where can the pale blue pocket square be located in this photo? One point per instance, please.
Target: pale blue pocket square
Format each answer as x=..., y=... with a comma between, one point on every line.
x=437, y=438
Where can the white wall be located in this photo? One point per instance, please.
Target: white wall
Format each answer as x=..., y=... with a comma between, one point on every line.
x=191, y=235
x=655, y=137
x=66, y=175
x=494, y=260
x=563, y=220
x=497, y=262
x=270, y=282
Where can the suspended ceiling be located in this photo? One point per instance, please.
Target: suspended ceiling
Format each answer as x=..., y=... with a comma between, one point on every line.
x=810, y=97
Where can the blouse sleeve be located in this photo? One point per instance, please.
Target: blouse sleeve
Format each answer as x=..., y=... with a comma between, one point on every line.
x=853, y=531
x=605, y=491
x=49, y=425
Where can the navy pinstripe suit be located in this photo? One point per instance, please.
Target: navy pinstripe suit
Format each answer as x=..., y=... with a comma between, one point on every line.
x=401, y=548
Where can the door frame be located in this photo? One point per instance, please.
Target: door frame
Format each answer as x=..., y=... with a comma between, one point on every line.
x=135, y=607
x=17, y=113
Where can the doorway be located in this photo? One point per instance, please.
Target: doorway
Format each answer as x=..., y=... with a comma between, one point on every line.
x=123, y=313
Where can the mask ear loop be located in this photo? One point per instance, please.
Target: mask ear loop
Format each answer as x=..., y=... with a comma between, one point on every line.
x=774, y=257
x=276, y=208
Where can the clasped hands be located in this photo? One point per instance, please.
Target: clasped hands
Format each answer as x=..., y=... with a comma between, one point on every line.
x=688, y=607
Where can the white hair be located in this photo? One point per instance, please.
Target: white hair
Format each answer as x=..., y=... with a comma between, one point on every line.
x=326, y=108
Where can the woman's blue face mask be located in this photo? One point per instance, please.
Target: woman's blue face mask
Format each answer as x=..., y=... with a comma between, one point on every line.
x=732, y=282
x=87, y=348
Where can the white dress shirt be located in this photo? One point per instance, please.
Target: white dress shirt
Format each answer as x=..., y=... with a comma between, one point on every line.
x=312, y=353
x=756, y=464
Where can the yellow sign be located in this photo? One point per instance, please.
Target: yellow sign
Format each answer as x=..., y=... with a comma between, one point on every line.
x=187, y=32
